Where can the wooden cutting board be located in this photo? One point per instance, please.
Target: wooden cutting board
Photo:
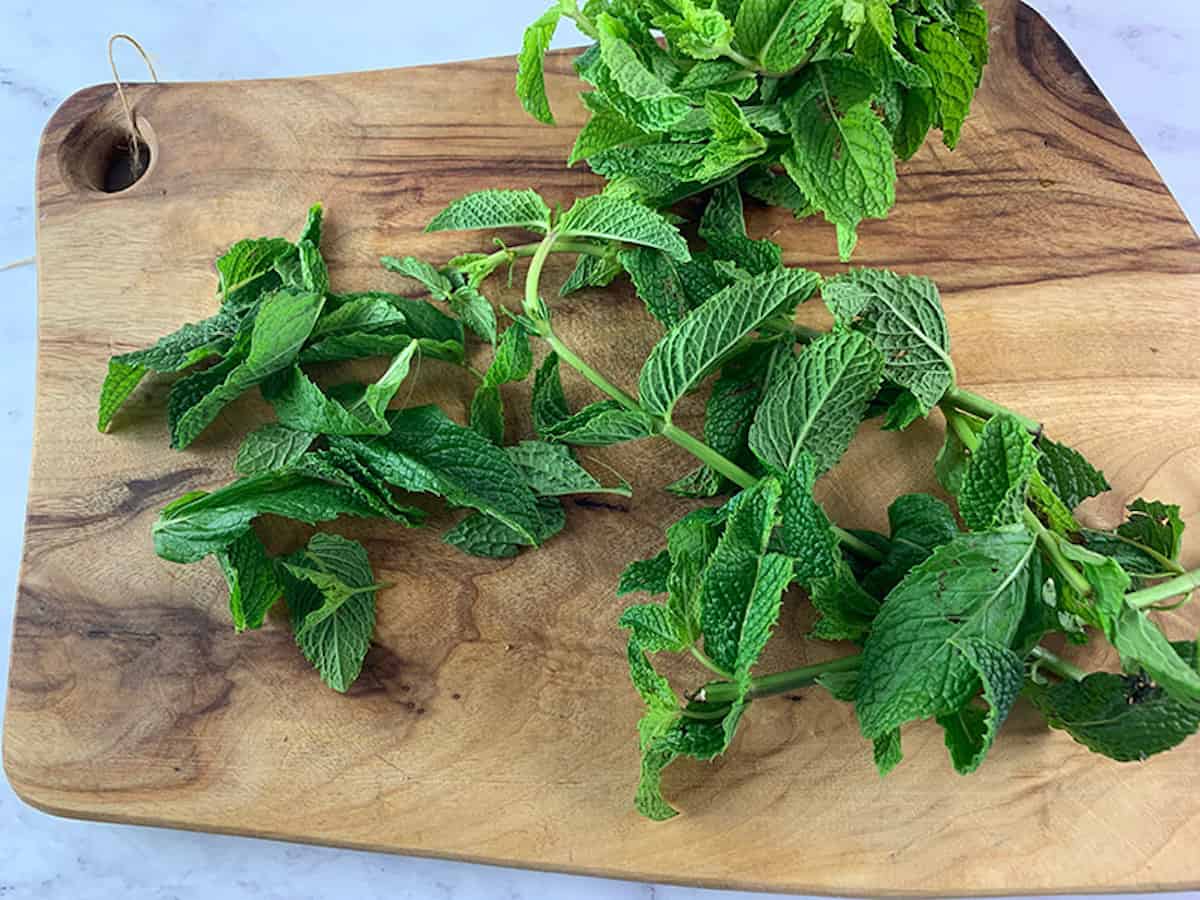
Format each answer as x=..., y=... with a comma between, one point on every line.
x=494, y=721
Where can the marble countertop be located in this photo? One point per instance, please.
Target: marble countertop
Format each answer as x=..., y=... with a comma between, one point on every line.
x=1144, y=56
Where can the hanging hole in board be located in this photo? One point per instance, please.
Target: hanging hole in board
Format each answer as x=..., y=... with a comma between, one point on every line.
x=126, y=164
x=96, y=155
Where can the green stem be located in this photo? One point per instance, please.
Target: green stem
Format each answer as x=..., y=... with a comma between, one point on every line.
x=857, y=545
x=976, y=405
x=705, y=660
x=708, y=456
x=563, y=245
x=1157, y=593
x=966, y=434
x=567, y=355
x=1049, y=543
x=1056, y=664
x=780, y=682
x=707, y=715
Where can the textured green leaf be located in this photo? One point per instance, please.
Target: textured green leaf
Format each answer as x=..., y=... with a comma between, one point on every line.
x=971, y=731
x=336, y=635
x=734, y=571
x=815, y=401
x=440, y=335
x=723, y=227
x=690, y=543
x=1135, y=558
x=426, y=452
x=548, y=403
x=246, y=271
x=512, y=362
x=421, y=271
x=919, y=525
x=721, y=75
x=271, y=447
x=494, y=209
x=482, y=535
x=1123, y=717
x=313, y=224
x=876, y=48
x=780, y=33
x=200, y=523
x=368, y=314
x=695, y=347
x=776, y=190
x=972, y=589
x=695, y=30
x=657, y=170
x=887, y=752
x=591, y=272
x=842, y=157
x=902, y=315
x=806, y=532
x=281, y=327
x=1049, y=505
x=997, y=477
x=955, y=76
x=605, y=130
x=531, y=76
x=1068, y=474
x=600, y=424
x=253, y=585
x=638, y=93
x=551, y=470
x=655, y=628
x=1155, y=525
x=607, y=218
x=658, y=282
x=646, y=575
x=846, y=610
x=1143, y=645
x=734, y=140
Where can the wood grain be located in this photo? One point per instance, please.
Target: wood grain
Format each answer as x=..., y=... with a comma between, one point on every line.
x=493, y=720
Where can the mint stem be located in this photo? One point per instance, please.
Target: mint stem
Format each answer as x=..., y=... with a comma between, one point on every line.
x=1157, y=593
x=1056, y=664
x=968, y=402
x=705, y=660
x=780, y=682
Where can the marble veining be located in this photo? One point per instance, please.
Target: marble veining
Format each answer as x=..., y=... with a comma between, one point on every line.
x=1144, y=56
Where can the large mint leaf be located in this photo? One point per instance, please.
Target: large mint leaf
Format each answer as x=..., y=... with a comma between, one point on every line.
x=271, y=447
x=531, y=75
x=640, y=94
x=253, y=585
x=1071, y=477
x=439, y=335
x=426, y=452
x=997, y=477
x=494, y=209
x=955, y=75
x=656, y=628
x=482, y=535
x=919, y=525
x=365, y=314
x=971, y=731
x=734, y=140
x=246, y=271
x=611, y=219
x=731, y=581
x=605, y=130
x=334, y=634
x=902, y=314
x=972, y=589
x=806, y=532
x=697, y=346
x=1123, y=717
x=646, y=575
x=283, y=324
x=816, y=401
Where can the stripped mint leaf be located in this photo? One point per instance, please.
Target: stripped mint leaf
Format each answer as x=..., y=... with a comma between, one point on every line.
x=551, y=470
x=1071, y=477
x=482, y=535
x=919, y=525
x=253, y=585
x=246, y=271
x=512, y=362
x=806, y=532
x=971, y=731
x=426, y=273
x=997, y=477
x=612, y=219
x=601, y=424
x=815, y=401
x=271, y=447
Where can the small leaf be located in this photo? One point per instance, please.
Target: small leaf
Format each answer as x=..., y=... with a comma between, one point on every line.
x=807, y=534
x=494, y=209
x=997, y=477
x=271, y=447
x=601, y=424
x=607, y=218
x=970, y=731
x=550, y=470
x=531, y=76
x=253, y=586
x=1068, y=474
x=646, y=575
x=484, y=536
x=723, y=227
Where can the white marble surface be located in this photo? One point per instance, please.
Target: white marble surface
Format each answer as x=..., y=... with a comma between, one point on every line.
x=1144, y=55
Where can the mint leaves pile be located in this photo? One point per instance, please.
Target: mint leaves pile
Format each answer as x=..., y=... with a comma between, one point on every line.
x=946, y=617
x=831, y=90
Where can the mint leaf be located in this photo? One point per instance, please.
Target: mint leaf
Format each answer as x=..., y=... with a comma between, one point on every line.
x=301, y=405
x=887, y=752
x=955, y=74
x=721, y=75
x=531, y=76
x=475, y=311
x=846, y=610
x=253, y=586
x=200, y=523
x=806, y=533
x=1068, y=474
x=513, y=362
x=336, y=634
x=611, y=219
x=271, y=447
x=776, y=190
x=550, y=470
x=548, y=403
x=695, y=347
x=591, y=272
x=972, y=589
x=494, y=209
x=439, y=335
x=640, y=94
x=426, y=452
x=246, y=271
x=690, y=544
x=601, y=424
x=842, y=157
x=283, y=324
x=655, y=628
x=970, y=731
x=815, y=401
x=919, y=525
x=734, y=139
x=659, y=283
x=723, y=227
x=997, y=477
x=950, y=466
x=420, y=271
x=739, y=578
x=313, y=225
x=605, y=130
x=695, y=30
x=780, y=33
x=646, y=575
x=482, y=535
x=365, y=314
x=1143, y=645
x=1123, y=717
x=902, y=315
x=1155, y=525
